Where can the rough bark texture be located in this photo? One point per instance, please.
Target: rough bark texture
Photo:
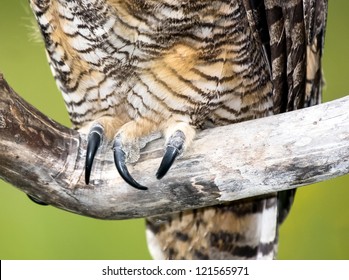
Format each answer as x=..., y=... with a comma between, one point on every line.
x=46, y=160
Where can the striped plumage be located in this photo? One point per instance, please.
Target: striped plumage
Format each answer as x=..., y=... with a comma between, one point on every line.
x=135, y=67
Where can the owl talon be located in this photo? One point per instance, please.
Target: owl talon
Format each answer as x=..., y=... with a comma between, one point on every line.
x=173, y=149
x=120, y=163
x=36, y=200
x=94, y=140
x=167, y=161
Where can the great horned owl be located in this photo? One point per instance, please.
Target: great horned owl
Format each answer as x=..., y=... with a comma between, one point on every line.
x=130, y=68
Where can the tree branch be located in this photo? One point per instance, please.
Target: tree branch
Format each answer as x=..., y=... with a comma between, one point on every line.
x=46, y=160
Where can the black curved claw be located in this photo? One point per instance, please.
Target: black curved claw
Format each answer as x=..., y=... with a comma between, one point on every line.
x=173, y=149
x=36, y=200
x=93, y=142
x=119, y=159
x=167, y=161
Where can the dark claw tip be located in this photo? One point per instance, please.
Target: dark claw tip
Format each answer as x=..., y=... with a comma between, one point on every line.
x=119, y=159
x=36, y=200
x=167, y=161
x=93, y=142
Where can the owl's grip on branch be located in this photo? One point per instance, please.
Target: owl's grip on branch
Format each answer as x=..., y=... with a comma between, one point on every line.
x=174, y=147
x=126, y=146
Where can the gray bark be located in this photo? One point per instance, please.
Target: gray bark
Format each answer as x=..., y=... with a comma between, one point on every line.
x=46, y=160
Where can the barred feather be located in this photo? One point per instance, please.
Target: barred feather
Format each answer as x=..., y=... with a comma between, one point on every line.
x=205, y=63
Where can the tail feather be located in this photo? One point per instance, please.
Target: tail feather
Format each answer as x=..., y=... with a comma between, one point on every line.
x=245, y=229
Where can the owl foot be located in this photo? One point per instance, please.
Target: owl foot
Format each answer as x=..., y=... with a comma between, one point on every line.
x=126, y=148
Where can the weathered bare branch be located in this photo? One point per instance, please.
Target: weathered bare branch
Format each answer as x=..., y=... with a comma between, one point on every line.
x=46, y=160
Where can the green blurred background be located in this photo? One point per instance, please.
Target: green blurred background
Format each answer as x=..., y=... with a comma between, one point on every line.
x=317, y=228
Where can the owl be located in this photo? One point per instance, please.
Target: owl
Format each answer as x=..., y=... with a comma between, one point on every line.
x=129, y=69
